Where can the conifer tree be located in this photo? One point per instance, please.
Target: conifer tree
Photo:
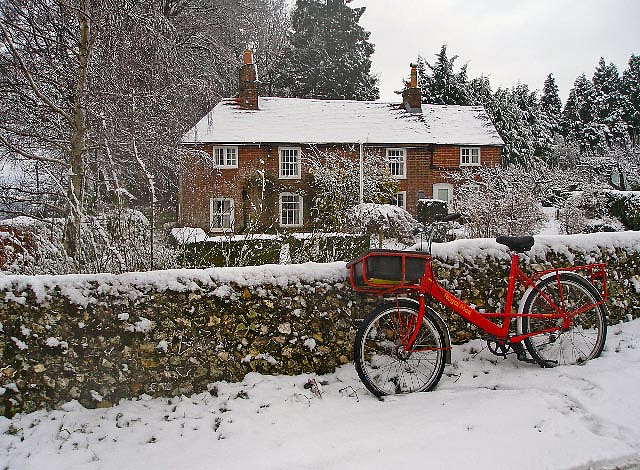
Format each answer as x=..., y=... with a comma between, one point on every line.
x=631, y=98
x=439, y=83
x=607, y=103
x=578, y=118
x=330, y=53
x=550, y=104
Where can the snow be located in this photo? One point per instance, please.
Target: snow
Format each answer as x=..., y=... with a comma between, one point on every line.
x=533, y=418
x=296, y=121
x=186, y=235
x=53, y=342
x=552, y=226
x=78, y=288
x=19, y=343
x=144, y=325
x=163, y=345
x=470, y=249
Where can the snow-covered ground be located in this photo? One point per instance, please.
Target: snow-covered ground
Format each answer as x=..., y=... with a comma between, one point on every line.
x=487, y=413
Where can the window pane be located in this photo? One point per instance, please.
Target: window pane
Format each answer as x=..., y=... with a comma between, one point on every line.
x=222, y=214
x=291, y=209
x=289, y=162
x=219, y=156
x=232, y=157
x=396, y=159
x=443, y=194
x=398, y=200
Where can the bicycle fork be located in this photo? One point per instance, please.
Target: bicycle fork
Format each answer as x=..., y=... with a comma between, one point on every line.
x=408, y=344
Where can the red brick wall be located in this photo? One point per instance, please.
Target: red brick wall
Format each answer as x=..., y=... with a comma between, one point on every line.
x=199, y=180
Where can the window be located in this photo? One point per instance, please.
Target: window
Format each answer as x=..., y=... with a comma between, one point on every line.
x=225, y=157
x=221, y=214
x=443, y=192
x=400, y=199
x=289, y=162
x=290, y=209
x=397, y=161
x=469, y=156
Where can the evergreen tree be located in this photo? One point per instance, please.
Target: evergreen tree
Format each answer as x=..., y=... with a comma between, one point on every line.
x=607, y=103
x=578, y=118
x=330, y=54
x=439, y=83
x=517, y=115
x=631, y=98
x=550, y=104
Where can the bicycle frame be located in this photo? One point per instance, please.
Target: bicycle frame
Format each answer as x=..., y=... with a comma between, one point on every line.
x=429, y=285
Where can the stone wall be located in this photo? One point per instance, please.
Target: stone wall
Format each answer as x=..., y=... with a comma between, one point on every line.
x=98, y=338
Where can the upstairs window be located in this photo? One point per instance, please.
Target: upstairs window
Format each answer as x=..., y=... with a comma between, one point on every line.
x=289, y=162
x=469, y=156
x=225, y=156
x=397, y=162
x=221, y=214
x=290, y=210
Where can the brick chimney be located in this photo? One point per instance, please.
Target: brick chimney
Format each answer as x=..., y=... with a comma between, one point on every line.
x=412, y=96
x=248, y=92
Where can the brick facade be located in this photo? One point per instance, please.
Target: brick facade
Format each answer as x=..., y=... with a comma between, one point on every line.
x=200, y=180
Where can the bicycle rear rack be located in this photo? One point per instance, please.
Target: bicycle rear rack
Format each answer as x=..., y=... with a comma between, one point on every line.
x=595, y=272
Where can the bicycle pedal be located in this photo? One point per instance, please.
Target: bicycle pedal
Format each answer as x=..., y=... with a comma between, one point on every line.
x=548, y=364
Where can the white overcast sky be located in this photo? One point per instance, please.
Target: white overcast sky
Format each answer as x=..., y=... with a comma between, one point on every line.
x=507, y=40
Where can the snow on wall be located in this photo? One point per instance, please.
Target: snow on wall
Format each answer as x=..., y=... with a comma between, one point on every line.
x=85, y=289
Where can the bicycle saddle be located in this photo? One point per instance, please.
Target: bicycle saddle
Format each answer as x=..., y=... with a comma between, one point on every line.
x=517, y=244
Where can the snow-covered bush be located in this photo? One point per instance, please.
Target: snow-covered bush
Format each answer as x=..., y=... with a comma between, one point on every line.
x=384, y=220
x=117, y=241
x=430, y=210
x=625, y=205
x=498, y=201
x=588, y=211
x=335, y=186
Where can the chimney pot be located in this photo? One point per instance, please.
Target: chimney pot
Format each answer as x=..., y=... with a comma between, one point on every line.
x=247, y=57
x=414, y=76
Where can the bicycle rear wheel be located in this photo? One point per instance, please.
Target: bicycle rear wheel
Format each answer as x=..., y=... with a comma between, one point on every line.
x=383, y=365
x=585, y=338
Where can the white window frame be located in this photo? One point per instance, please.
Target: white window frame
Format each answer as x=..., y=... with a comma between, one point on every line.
x=403, y=194
x=470, y=156
x=213, y=214
x=300, y=210
x=298, y=171
x=447, y=186
x=392, y=159
x=226, y=162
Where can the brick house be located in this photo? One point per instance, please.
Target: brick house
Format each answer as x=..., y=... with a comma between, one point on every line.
x=251, y=148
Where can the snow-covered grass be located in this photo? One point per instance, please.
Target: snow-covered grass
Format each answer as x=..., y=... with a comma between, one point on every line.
x=487, y=413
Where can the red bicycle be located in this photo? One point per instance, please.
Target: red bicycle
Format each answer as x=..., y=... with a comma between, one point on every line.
x=403, y=345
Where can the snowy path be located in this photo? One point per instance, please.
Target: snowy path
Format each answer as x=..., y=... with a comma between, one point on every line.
x=486, y=414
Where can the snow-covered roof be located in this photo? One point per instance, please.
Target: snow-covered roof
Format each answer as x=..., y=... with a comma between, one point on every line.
x=293, y=120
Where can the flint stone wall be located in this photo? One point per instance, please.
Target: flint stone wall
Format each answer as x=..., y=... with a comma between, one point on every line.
x=99, y=338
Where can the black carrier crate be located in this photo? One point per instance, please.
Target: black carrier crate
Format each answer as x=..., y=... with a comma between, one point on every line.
x=387, y=269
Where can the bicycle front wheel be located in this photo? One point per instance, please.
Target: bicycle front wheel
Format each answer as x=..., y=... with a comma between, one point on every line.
x=383, y=364
x=585, y=337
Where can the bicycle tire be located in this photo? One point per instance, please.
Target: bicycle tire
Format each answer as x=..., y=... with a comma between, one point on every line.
x=379, y=359
x=585, y=338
